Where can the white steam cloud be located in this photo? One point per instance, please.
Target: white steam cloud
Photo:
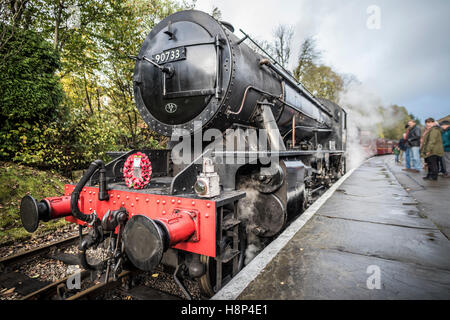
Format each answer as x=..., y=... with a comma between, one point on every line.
x=247, y=210
x=364, y=120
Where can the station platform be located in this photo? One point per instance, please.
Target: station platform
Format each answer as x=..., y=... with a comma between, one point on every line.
x=378, y=233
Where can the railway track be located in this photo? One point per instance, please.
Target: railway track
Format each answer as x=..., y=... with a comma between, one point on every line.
x=91, y=286
x=59, y=291
x=10, y=262
x=14, y=279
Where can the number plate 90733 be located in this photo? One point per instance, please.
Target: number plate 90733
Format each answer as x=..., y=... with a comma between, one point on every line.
x=170, y=55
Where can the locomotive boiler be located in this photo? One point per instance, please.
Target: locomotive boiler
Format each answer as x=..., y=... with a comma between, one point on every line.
x=250, y=149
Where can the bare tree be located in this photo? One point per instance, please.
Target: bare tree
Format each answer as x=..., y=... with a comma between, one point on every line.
x=11, y=18
x=264, y=45
x=308, y=56
x=283, y=35
x=349, y=80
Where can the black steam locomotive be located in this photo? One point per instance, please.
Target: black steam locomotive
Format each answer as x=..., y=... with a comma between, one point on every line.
x=250, y=149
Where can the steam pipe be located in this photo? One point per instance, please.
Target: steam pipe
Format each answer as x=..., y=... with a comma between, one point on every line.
x=79, y=187
x=245, y=98
x=102, y=187
x=293, y=131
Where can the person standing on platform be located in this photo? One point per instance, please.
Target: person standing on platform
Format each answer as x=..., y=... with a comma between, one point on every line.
x=445, y=125
x=396, y=151
x=432, y=148
x=407, y=151
x=441, y=166
x=402, y=147
x=413, y=148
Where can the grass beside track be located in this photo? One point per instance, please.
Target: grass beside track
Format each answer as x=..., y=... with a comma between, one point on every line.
x=17, y=181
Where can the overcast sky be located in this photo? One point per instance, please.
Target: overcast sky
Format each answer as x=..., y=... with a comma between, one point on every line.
x=406, y=61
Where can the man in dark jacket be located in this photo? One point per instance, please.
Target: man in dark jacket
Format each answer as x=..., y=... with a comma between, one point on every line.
x=413, y=147
x=445, y=125
x=432, y=148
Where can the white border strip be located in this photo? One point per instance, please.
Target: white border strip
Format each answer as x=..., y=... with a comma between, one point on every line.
x=234, y=288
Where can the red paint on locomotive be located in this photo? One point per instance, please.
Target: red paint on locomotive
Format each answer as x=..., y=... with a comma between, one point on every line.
x=170, y=210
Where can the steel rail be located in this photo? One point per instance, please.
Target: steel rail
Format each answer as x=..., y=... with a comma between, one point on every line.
x=51, y=291
x=13, y=260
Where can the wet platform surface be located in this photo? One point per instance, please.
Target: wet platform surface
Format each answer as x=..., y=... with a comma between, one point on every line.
x=379, y=236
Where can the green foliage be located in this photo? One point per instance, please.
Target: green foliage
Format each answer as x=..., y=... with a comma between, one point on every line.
x=30, y=90
x=417, y=120
x=69, y=100
x=395, y=117
x=31, y=94
x=319, y=79
x=16, y=181
x=322, y=81
x=98, y=72
x=308, y=56
x=394, y=120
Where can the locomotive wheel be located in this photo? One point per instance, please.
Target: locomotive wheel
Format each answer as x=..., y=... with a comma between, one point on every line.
x=206, y=286
x=207, y=282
